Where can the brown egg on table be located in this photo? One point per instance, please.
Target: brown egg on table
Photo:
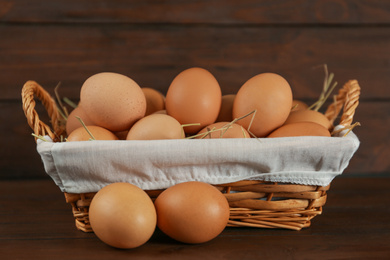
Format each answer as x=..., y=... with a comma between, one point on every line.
x=192, y=212
x=306, y=115
x=194, y=97
x=271, y=96
x=99, y=133
x=156, y=127
x=122, y=215
x=226, y=110
x=298, y=105
x=223, y=130
x=112, y=100
x=300, y=129
x=72, y=122
x=155, y=100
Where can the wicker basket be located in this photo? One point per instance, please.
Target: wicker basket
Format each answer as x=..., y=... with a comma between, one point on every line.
x=252, y=203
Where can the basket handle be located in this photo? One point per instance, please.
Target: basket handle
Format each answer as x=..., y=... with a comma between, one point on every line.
x=348, y=99
x=29, y=91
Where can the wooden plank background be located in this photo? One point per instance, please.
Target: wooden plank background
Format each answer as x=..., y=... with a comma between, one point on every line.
x=152, y=41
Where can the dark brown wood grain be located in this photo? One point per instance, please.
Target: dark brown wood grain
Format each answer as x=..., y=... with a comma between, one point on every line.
x=200, y=12
x=36, y=223
x=153, y=56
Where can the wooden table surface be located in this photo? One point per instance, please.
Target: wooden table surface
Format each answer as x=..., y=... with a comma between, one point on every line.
x=36, y=223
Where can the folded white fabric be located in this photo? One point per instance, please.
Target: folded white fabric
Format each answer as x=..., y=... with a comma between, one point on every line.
x=80, y=167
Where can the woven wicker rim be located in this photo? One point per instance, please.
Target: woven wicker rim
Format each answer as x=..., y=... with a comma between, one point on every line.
x=252, y=203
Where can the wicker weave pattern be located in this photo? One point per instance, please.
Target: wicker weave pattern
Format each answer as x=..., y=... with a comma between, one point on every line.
x=252, y=203
x=348, y=99
x=30, y=89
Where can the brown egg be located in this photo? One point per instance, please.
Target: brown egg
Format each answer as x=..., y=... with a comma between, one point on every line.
x=155, y=100
x=305, y=115
x=122, y=135
x=224, y=130
x=72, y=122
x=192, y=212
x=155, y=127
x=122, y=215
x=300, y=129
x=99, y=133
x=194, y=97
x=271, y=96
x=161, y=112
x=298, y=105
x=225, y=113
x=112, y=100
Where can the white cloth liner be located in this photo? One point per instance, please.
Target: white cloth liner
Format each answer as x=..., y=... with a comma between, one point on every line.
x=81, y=167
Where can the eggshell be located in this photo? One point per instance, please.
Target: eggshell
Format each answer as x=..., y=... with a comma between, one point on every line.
x=99, y=133
x=192, y=212
x=226, y=110
x=122, y=135
x=72, y=122
x=155, y=100
x=154, y=127
x=271, y=96
x=224, y=130
x=161, y=112
x=298, y=105
x=300, y=129
x=112, y=100
x=194, y=97
x=122, y=215
x=306, y=115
